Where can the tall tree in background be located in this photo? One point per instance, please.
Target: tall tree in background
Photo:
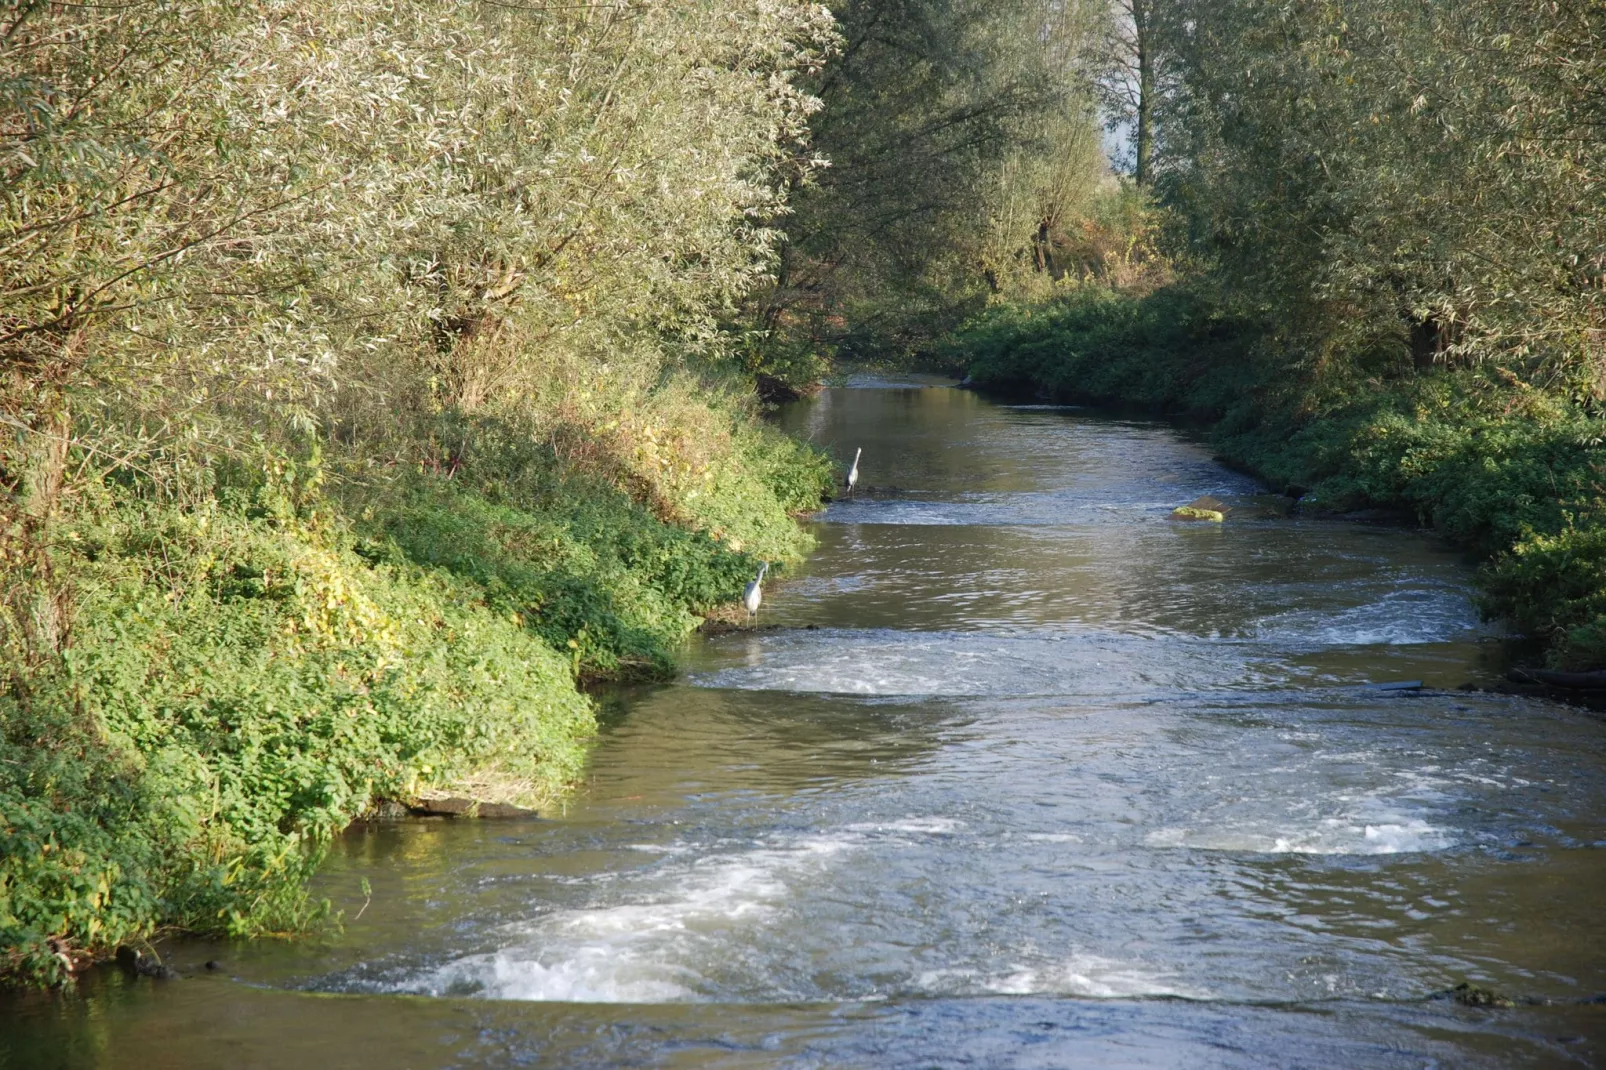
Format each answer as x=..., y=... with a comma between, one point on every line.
x=937, y=116
x=1130, y=85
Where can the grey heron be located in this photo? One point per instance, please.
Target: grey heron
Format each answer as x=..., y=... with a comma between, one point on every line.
x=853, y=473
x=755, y=592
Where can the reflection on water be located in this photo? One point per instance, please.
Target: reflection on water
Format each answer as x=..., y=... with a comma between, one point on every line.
x=1028, y=774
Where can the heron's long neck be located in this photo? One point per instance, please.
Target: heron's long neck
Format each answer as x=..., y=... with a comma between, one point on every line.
x=765, y=567
x=856, y=456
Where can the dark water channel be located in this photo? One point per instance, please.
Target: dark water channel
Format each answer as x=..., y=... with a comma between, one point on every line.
x=1053, y=781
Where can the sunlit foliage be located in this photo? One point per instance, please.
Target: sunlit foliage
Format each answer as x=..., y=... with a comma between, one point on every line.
x=1423, y=177
x=363, y=384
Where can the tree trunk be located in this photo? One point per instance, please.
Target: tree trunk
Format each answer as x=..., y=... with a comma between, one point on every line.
x=37, y=602
x=1142, y=32
x=1426, y=342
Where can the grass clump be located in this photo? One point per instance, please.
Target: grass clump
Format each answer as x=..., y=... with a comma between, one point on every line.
x=590, y=572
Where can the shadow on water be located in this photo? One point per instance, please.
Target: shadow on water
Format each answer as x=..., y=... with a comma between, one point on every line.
x=1053, y=780
x=221, y=1024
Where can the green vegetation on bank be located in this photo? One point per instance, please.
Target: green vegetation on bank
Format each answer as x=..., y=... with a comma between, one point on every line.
x=250, y=671
x=366, y=384
x=1371, y=258
x=1513, y=471
x=591, y=570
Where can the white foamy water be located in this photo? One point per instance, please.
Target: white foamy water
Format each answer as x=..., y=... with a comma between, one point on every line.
x=885, y=662
x=650, y=950
x=1333, y=836
x=931, y=826
x=1015, y=510
x=1406, y=617
x=1083, y=975
x=657, y=946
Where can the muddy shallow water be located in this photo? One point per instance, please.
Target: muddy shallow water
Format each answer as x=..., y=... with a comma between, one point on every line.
x=1053, y=780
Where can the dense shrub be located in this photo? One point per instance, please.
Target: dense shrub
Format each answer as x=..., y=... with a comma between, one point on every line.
x=1166, y=352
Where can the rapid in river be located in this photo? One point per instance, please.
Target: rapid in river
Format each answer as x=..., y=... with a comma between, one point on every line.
x=1016, y=771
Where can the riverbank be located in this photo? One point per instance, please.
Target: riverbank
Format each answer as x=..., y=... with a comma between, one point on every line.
x=1040, y=739
x=1506, y=467
x=255, y=667
x=371, y=375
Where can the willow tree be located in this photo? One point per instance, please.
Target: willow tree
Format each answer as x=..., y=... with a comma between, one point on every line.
x=1131, y=82
x=941, y=118
x=224, y=220
x=1426, y=180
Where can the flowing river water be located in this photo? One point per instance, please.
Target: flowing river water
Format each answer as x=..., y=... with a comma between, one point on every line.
x=1018, y=772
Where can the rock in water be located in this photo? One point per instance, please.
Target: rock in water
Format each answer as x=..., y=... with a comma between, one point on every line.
x=462, y=807
x=1471, y=995
x=1205, y=508
x=443, y=807
x=389, y=810
x=1573, y=681
x=138, y=964
x=503, y=810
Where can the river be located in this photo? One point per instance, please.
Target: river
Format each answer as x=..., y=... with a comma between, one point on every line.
x=1016, y=772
